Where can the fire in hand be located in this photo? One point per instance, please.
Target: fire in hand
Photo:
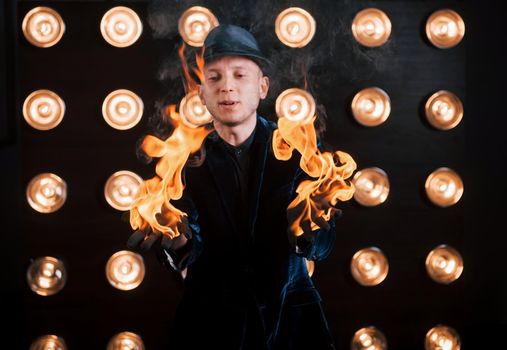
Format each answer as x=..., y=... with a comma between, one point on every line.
x=152, y=208
x=316, y=200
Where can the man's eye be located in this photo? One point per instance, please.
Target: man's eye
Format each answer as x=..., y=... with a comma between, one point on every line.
x=213, y=78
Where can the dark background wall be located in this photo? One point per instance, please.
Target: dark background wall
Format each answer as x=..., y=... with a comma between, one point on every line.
x=82, y=68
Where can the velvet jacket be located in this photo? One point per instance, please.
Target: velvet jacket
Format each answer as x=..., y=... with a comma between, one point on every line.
x=232, y=268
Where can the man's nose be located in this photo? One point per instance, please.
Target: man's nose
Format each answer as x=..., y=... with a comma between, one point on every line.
x=228, y=84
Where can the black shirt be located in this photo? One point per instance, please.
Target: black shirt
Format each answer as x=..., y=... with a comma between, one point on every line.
x=240, y=159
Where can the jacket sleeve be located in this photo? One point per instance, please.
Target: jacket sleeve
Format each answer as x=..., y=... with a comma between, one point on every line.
x=186, y=255
x=315, y=245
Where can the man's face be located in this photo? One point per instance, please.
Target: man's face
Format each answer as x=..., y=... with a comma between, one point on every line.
x=232, y=89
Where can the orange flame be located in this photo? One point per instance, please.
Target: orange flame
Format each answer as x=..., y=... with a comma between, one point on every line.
x=152, y=207
x=316, y=200
x=191, y=84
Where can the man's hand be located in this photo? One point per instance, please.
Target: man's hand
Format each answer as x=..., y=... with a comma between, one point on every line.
x=144, y=240
x=302, y=241
x=306, y=224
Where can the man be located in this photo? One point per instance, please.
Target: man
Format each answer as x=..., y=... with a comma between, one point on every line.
x=247, y=285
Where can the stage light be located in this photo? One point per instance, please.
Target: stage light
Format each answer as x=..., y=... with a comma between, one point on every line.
x=371, y=106
x=372, y=186
x=46, y=276
x=295, y=27
x=192, y=112
x=121, y=26
x=46, y=192
x=442, y=338
x=371, y=27
x=125, y=270
x=445, y=28
x=310, y=266
x=43, y=109
x=444, y=187
x=368, y=338
x=126, y=341
x=43, y=26
x=369, y=266
x=444, y=264
x=121, y=189
x=195, y=24
x=48, y=342
x=443, y=110
x=295, y=104
x=122, y=109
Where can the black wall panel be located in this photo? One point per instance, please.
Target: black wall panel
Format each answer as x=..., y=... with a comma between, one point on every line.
x=82, y=68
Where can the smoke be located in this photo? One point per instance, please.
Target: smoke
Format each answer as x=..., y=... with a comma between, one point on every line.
x=332, y=58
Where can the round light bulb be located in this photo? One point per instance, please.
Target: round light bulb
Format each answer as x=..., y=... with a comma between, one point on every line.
x=369, y=266
x=372, y=186
x=121, y=189
x=371, y=27
x=295, y=104
x=122, y=109
x=295, y=27
x=121, y=26
x=43, y=27
x=195, y=24
x=125, y=270
x=46, y=276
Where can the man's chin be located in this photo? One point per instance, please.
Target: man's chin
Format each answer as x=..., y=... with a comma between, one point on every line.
x=230, y=121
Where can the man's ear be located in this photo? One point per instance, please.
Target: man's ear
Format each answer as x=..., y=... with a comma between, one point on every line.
x=264, y=87
x=200, y=92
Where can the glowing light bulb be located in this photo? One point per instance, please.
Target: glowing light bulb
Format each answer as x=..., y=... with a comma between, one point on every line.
x=295, y=27
x=368, y=338
x=43, y=26
x=444, y=187
x=121, y=26
x=443, y=110
x=369, y=266
x=296, y=105
x=371, y=106
x=445, y=28
x=43, y=110
x=195, y=24
x=46, y=276
x=122, y=109
x=372, y=186
x=371, y=27
x=442, y=338
x=444, y=264
x=125, y=270
x=192, y=112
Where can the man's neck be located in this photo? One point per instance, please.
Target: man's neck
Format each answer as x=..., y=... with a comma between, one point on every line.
x=236, y=135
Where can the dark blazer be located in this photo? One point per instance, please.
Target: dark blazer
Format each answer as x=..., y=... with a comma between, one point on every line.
x=247, y=286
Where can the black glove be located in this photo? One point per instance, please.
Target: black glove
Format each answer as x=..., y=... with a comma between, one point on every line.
x=302, y=242
x=145, y=240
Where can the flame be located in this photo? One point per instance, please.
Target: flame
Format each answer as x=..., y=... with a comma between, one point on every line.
x=316, y=200
x=152, y=207
x=191, y=84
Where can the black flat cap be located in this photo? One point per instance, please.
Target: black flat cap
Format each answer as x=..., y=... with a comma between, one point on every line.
x=231, y=40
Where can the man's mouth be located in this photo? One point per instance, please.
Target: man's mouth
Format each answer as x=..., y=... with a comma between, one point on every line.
x=228, y=103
